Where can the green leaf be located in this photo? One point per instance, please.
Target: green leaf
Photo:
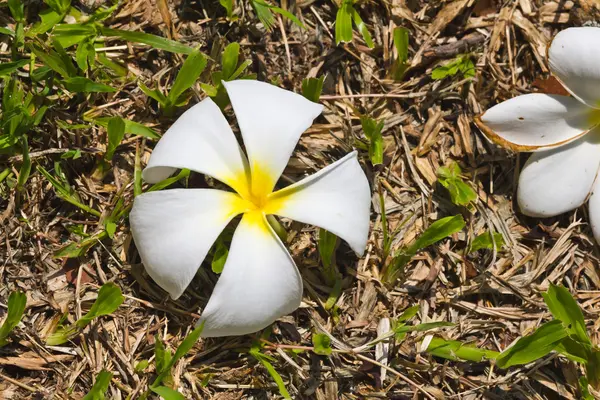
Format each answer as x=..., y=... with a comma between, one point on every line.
x=535, y=346
x=116, y=132
x=60, y=6
x=574, y=350
x=327, y=245
x=312, y=88
x=167, y=393
x=486, y=241
x=26, y=164
x=154, y=94
x=421, y=327
x=141, y=366
x=220, y=257
x=131, y=127
x=455, y=350
x=49, y=19
x=191, y=69
x=565, y=309
x=85, y=55
x=437, y=231
x=16, y=307
x=71, y=34
x=65, y=192
x=461, y=193
x=79, y=84
x=229, y=60
x=16, y=9
x=288, y=15
x=264, y=14
x=408, y=314
x=462, y=64
x=592, y=369
x=343, y=23
x=372, y=130
x=228, y=6
x=401, y=45
x=52, y=60
x=185, y=346
x=169, y=181
x=152, y=40
x=322, y=344
x=100, y=386
x=109, y=299
x=264, y=360
x=162, y=356
x=10, y=67
x=362, y=28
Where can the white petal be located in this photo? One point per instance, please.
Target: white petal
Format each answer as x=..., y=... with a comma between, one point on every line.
x=594, y=207
x=575, y=59
x=174, y=230
x=200, y=140
x=558, y=180
x=271, y=120
x=337, y=198
x=259, y=282
x=536, y=121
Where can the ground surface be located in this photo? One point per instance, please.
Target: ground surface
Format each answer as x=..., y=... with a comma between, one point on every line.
x=491, y=297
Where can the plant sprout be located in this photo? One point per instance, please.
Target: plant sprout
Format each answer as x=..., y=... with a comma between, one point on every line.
x=174, y=229
x=562, y=131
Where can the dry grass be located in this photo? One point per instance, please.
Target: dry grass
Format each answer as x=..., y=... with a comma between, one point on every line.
x=493, y=298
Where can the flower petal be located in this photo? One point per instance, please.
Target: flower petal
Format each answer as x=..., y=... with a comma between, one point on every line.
x=200, y=140
x=259, y=283
x=174, y=230
x=271, y=120
x=336, y=198
x=574, y=59
x=558, y=180
x=536, y=121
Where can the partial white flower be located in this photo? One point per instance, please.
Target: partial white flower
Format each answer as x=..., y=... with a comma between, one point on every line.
x=174, y=229
x=563, y=132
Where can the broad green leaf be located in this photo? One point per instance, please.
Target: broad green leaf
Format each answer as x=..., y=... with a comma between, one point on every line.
x=162, y=357
x=155, y=94
x=79, y=249
x=109, y=299
x=462, y=64
x=574, y=350
x=100, y=386
x=132, y=127
x=229, y=59
x=115, y=132
x=460, y=192
x=401, y=45
x=71, y=34
x=6, y=31
x=10, y=67
x=48, y=20
x=25, y=165
x=322, y=344
x=565, y=309
x=228, y=6
x=437, y=231
x=362, y=28
x=343, y=22
x=52, y=60
x=85, y=55
x=486, y=241
x=167, y=393
x=455, y=350
x=141, y=366
x=592, y=369
x=535, y=346
x=372, y=130
x=152, y=40
x=16, y=307
x=60, y=6
x=312, y=88
x=66, y=59
x=408, y=314
x=191, y=69
x=220, y=257
x=79, y=84
x=16, y=9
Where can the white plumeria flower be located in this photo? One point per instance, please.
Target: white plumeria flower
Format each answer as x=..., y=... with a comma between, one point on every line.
x=174, y=229
x=562, y=131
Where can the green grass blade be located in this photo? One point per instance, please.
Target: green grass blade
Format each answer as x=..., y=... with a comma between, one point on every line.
x=151, y=40
x=16, y=307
